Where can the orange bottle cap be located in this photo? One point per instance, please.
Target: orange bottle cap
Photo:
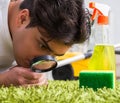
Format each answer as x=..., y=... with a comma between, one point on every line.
x=92, y=5
x=103, y=20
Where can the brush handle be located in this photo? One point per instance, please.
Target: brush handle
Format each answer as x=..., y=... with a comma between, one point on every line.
x=78, y=57
x=117, y=46
x=73, y=59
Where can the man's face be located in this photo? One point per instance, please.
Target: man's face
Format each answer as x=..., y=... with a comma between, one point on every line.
x=29, y=43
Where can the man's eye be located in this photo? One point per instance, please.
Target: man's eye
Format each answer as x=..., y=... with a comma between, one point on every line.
x=43, y=46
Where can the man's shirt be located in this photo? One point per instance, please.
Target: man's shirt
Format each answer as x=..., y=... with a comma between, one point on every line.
x=6, y=47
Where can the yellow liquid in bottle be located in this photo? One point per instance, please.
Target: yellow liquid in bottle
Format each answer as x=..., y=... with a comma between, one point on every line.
x=103, y=58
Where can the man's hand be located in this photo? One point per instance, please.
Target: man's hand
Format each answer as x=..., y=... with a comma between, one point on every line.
x=19, y=76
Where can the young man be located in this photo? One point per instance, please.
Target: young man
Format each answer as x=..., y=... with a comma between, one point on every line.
x=30, y=28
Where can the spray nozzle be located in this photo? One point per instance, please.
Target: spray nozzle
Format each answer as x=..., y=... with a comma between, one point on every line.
x=100, y=10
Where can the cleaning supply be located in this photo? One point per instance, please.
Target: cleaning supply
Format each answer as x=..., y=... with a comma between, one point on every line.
x=97, y=79
x=77, y=65
x=101, y=67
x=103, y=57
x=100, y=16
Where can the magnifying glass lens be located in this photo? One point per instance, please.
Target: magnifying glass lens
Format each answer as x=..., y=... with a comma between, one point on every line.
x=43, y=63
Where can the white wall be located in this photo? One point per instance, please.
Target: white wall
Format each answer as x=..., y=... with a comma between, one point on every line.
x=115, y=18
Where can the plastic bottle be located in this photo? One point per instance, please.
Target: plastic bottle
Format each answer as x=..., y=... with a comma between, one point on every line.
x=103, y=57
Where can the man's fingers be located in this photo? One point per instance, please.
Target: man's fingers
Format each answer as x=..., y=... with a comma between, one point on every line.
x=28, y=74
x=43, y=83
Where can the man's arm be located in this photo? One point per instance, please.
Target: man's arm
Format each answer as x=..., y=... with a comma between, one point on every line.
x=19, y=76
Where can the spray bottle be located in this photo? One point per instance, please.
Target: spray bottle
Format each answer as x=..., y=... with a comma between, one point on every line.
x=103, y=57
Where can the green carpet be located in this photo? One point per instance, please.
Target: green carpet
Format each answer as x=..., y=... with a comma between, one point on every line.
x=59, y=92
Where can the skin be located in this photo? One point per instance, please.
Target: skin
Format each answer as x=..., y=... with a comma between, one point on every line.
x=27, y=44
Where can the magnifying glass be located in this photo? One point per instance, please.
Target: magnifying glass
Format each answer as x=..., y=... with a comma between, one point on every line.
x=43, y=63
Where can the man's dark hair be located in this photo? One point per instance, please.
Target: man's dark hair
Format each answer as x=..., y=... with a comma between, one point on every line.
x=64, y=20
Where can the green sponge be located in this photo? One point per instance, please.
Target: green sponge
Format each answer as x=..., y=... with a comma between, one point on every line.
x=97, y=79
